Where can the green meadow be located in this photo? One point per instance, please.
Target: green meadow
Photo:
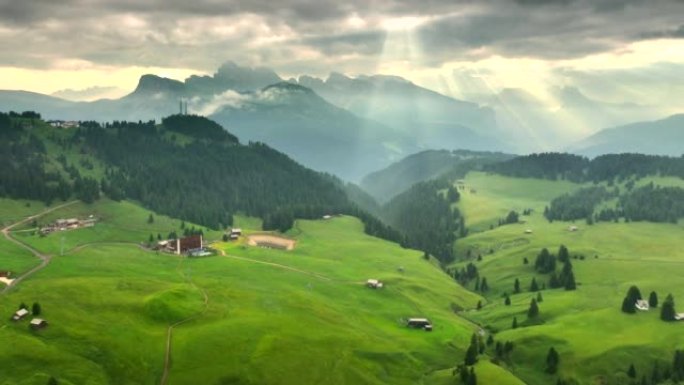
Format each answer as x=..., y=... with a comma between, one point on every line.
x=253, y=315
x=596, y=341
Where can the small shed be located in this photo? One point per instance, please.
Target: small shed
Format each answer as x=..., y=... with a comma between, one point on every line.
x=38, y=323
x=419, y=323
x=19, y=314
x=642, y=305
x=679, y=317
x=374, y=284
x=572, y=228
x=528, y=231
x=236, y=231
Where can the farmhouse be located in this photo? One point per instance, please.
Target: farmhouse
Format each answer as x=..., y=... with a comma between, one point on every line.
x=420, y=323
x=38, y=323
x=186, y=244
x=642, y=305
x=374, y=284
x=236, y=231
x=19, y=314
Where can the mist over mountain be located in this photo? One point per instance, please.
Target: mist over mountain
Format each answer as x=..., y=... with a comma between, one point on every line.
x=660, y=137
x=89, y=94
x=432, y=119
x=528, y=123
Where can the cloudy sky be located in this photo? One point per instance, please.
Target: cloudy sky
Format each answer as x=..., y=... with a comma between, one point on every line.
x=615, y=50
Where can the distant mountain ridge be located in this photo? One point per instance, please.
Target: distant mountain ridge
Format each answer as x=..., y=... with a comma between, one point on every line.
x=359, y=125
x=660, y=137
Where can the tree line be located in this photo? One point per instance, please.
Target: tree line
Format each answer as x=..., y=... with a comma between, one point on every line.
x=575, y=168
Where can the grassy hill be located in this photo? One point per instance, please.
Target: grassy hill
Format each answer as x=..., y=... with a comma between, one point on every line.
x=596, y=341
x=258, y=316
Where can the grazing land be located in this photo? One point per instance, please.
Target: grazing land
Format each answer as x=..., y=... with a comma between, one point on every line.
x=270, y=316
x=596, y=341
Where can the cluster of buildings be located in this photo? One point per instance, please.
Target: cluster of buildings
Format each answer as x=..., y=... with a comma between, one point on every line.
x=68, y=224
x=64, y=124
x=35, y=324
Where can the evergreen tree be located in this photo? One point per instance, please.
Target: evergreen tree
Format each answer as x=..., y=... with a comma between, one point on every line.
x=151, y=239
x=479, y=305
x=490, y=340
x=52, y=381
x=516, y=286
x=539, y=297
x=570, y=281
x=471, y=354
x=563, y=254
x=23, y=306
x=525, y=261
x=507, y=299
x=678, y=366
x=515, y=323
x=484, y=287
x=552, y=361
x=150, y=219
x=667, y=311
x=35, y=309
x=629, y=303
x=653, y=299
x=534, y=287
x=655, y=373
x=631, y=372
x=472, y=378
x=533, y=311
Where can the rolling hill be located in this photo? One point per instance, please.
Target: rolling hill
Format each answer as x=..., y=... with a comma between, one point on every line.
x=384, y=184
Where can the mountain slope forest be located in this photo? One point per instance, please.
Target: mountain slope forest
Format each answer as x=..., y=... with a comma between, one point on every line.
x=188, y=167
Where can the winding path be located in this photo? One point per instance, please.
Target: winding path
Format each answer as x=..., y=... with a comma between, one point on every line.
x=169, y=331
x=44, y=258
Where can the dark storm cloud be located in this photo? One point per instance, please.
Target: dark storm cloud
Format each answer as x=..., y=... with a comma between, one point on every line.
x=202, y=33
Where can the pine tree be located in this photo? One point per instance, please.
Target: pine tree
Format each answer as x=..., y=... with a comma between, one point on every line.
x=471, y=354
x=484, y=286
x=35, y=309
x=631, y=372
x=653, y=299
x=515, y=323
x=490, y=340
x=533, y=311
x=472, y=378
x=655, y=373
x=563, y=254
x=525, y=261
x=533, y=286
x=516, y=286
x=552, y=361
x=150, y=219
x=151, y=239
x=667, y=311
x=479, y=305
x=539, y=297
x=507, y=299
x=629, y=303
x=570, y=281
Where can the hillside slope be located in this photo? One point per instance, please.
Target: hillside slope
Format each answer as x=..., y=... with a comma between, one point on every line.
x=270, y=317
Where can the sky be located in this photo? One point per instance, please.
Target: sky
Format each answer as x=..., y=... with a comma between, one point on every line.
x=618, y=51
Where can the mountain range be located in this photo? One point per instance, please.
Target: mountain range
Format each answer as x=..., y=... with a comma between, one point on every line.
x=348, y=126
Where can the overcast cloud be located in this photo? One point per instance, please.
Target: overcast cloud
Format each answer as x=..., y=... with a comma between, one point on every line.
x=201, y=34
